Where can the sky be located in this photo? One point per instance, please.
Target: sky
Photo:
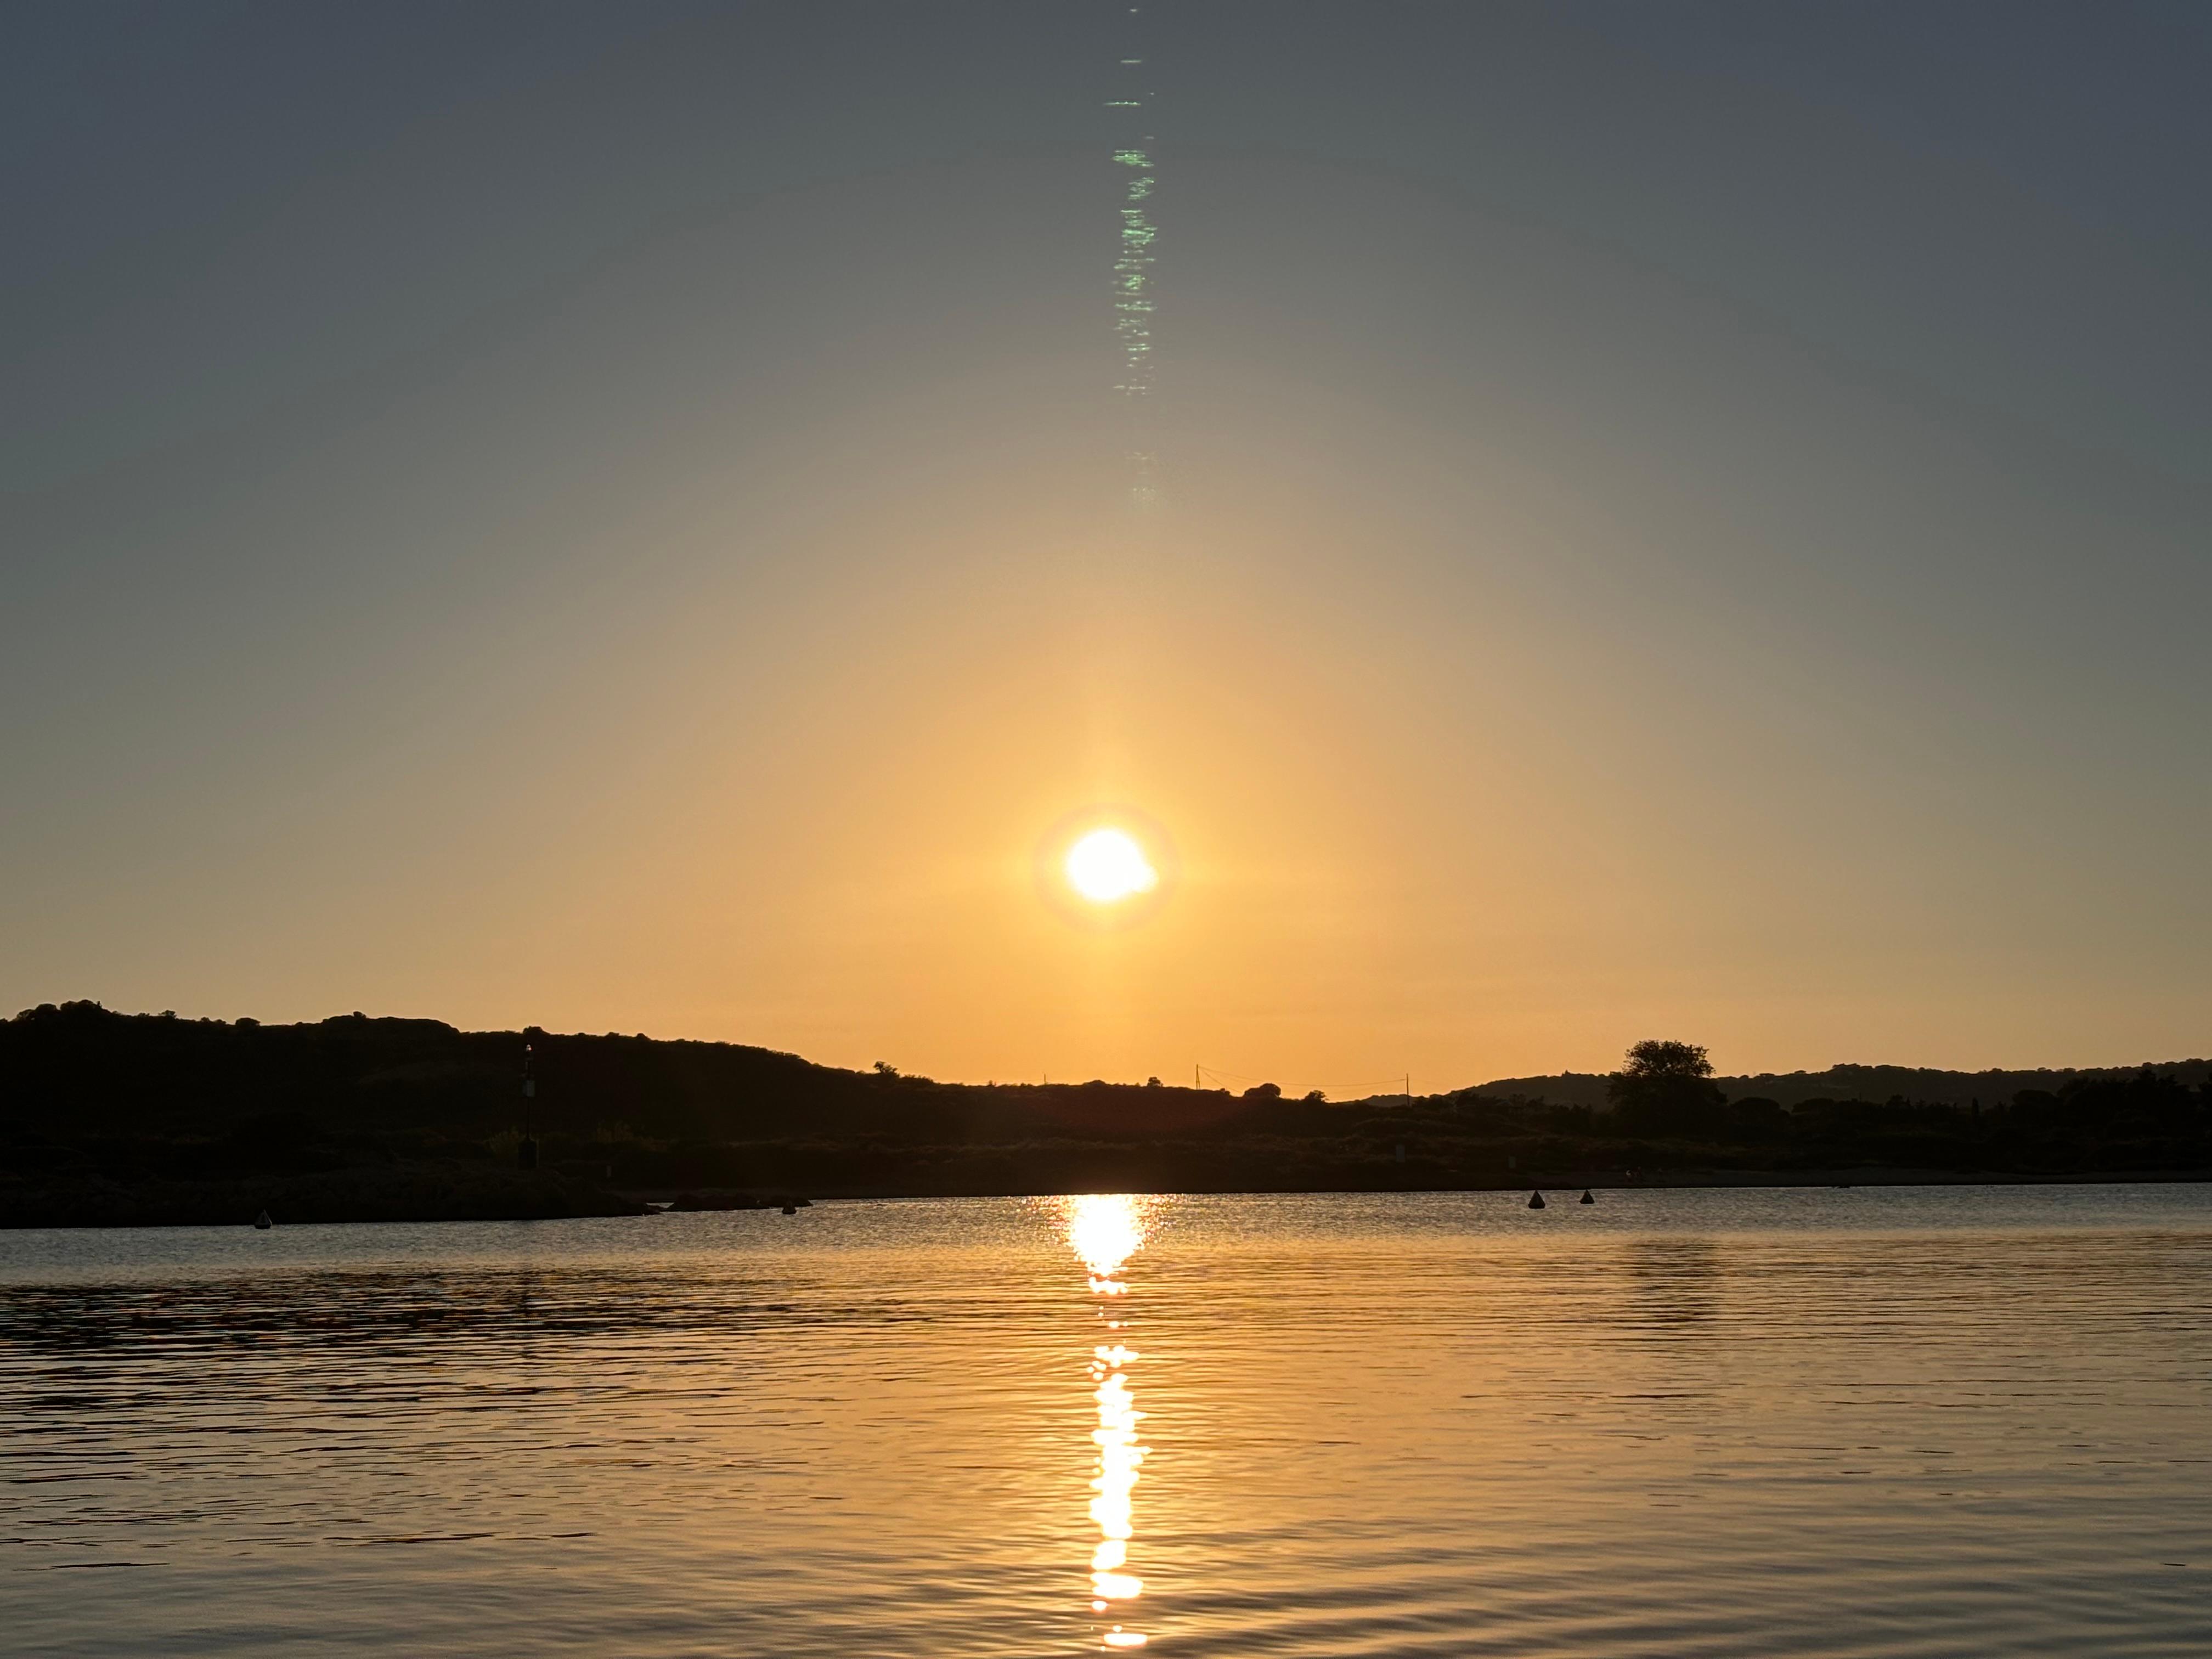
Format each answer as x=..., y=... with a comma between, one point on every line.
x=1676, y=520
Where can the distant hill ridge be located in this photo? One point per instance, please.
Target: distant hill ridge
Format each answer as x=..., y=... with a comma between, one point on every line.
x=1851, y=1082
x=148, y=1066
x=114, y=1120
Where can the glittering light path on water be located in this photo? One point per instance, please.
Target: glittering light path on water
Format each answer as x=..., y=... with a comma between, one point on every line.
x=1133, y=268
x=1104, y=1230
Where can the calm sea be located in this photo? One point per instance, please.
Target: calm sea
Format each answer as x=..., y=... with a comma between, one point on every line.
x=1958, y=1421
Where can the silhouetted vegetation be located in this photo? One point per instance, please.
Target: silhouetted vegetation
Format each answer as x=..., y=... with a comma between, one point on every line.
x=106, y=1117
x=1666, y=1089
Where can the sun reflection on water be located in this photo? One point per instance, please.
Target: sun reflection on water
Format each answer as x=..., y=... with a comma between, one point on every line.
x=1105, y=1230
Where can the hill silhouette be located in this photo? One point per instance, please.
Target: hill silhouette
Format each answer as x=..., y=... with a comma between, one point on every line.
x=111, y=1118
x=1851, y=1082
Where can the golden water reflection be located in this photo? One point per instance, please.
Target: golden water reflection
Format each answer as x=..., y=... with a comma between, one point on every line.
x=1104, y=1230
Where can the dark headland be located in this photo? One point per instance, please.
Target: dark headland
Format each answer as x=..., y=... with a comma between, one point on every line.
x=109, y=1119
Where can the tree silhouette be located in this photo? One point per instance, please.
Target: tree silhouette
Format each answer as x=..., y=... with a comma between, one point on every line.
x=1665, y=1088
x=1655, y=1058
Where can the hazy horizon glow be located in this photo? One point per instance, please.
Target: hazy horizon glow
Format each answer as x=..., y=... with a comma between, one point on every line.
x=1673, y=521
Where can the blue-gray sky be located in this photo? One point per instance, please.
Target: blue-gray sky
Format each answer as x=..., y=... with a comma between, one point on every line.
x=1680, y=518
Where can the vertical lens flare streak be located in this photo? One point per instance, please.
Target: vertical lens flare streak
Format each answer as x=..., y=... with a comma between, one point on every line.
x=1104, y=1232
x=1132, y=270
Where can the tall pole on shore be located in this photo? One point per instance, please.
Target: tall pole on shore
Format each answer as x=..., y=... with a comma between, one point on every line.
x=526, y=1154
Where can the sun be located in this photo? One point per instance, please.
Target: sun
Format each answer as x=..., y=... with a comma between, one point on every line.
x=1106, y=868
x=1107, y=865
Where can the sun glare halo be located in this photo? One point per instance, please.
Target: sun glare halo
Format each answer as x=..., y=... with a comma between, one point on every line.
x=1108, y=865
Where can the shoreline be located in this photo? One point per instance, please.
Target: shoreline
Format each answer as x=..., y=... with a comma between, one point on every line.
x=549, y=1197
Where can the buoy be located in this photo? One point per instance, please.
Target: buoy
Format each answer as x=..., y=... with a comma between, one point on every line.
x=261, y=1223
x=791, y=1209
x=1535, y=1201
x=1586, y=1198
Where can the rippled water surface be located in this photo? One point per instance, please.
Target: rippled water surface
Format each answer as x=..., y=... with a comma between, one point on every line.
x=1964, y=1421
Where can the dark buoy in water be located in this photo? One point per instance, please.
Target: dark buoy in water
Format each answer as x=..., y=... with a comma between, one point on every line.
x=261, y=1223
x=1535, y=1201
x=791, y=1209
x=1586, y=1198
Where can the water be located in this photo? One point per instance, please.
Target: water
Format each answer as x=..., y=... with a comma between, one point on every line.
x=1877, y=1422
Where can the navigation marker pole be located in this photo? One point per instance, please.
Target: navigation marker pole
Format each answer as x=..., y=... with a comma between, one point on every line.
x=526, y=1154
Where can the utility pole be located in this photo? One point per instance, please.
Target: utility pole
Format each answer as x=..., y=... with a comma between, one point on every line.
x=527, y=1153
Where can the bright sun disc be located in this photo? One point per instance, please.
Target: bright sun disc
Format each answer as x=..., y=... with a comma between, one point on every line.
x=1108, y=865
